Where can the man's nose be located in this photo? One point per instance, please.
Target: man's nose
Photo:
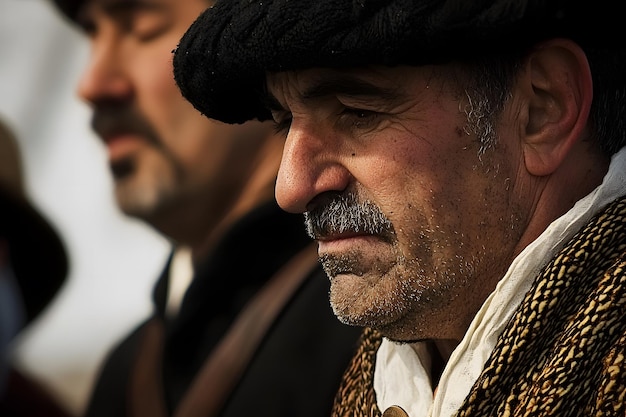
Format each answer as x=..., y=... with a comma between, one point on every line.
x=311, y=165
x=105, y=77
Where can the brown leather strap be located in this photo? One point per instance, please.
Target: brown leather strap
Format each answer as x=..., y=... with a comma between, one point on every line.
x=146, y=384
x=223, y=368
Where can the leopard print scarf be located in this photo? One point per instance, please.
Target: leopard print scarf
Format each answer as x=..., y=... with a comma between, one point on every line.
x=563, y=351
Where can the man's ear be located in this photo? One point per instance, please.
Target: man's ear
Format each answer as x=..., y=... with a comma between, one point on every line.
x=560, y=92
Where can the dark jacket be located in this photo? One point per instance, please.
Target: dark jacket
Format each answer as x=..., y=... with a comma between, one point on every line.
x=295, y=371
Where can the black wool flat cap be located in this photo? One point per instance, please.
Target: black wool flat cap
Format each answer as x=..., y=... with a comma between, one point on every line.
x=221, y=62
x=69, y=8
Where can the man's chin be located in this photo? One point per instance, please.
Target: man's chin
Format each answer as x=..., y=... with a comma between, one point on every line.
x=354, y=303
x=135, y=200
x=362, y=319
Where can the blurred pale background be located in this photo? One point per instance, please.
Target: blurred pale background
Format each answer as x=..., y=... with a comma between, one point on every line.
x=114, y=260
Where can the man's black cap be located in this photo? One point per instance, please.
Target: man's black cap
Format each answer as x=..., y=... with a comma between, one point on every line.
x=221, y=62
x=69, y=8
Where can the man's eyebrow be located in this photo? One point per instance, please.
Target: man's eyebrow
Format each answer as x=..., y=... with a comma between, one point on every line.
x=122, y=6
x=349, y=86
x=113, y=7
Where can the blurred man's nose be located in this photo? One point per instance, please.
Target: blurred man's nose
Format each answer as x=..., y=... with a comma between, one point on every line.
x=105, y=77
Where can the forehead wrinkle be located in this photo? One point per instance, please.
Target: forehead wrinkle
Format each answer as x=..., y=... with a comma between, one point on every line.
x=309, y=89
x=348, y=86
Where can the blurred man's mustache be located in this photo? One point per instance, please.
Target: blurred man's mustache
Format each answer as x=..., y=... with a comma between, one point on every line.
x=345, y=213
x=111, y=120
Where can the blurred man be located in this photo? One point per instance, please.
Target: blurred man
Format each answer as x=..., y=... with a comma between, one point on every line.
x=209, y=187
x=462, y=166
x=33, y=268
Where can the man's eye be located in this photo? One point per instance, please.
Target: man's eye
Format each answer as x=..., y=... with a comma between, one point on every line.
x=147, y=26
x=282, y=120
x=359, y=118
x=282, y=123
x=358, y=113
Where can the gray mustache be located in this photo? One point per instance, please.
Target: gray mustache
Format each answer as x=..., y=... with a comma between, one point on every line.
x=344, y=213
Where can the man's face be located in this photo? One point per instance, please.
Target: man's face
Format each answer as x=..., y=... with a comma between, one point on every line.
x=414, y=228
x=162, y=152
